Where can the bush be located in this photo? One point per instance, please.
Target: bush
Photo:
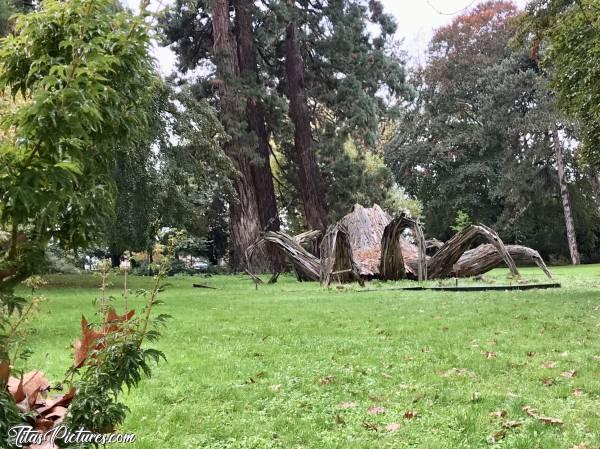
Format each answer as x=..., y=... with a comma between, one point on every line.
x=59, y=262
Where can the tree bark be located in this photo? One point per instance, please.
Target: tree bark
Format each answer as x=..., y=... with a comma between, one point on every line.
x=566, y=200
x=595, y=181
x=255, y=115
x=309, y=175
x=244, y=213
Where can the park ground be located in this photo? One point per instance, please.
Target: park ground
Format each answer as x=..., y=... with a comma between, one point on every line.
x=293, y=365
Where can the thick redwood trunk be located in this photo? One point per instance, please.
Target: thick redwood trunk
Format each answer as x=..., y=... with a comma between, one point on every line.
x=255, y=114
x=309, y=176
x=244, y=214
x=566, y=200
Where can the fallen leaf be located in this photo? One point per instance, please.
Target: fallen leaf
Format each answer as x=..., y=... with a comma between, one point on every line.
x=498, y=413
x=548, y=382
x=545, y=419
x=512, y=424
x=15, y=388
x=498, y=436
x=275, y=388
x=387, y=376
x=63, y=400
x=490, y=355
x=88, y=341
x=376, y=411
x=327, y=380
x=370, y=426
x=577, y=392
x=409, y=414
x=459, y=372
x=346, y=405
x=113, y=321
x=392, y=427
x=425, y=349
x=549, y=365
x=531, y=354
x=569, y=374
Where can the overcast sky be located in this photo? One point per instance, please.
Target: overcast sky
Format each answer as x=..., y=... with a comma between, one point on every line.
x=416, y=21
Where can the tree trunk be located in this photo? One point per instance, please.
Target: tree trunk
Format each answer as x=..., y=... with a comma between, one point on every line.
x=115, y=259
x=304, y=155
x=244, y=213
x=255, y=115
x=595, y=181
x=566, y=200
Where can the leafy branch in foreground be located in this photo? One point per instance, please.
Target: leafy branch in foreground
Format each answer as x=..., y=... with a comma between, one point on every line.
x=109, y=357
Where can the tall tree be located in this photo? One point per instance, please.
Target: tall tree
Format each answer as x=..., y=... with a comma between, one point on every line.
x=245, y=215
x=351, y=76
x=478, y=138
x=255, y=116
x=565, y=197
x=567, y=39
x=310, y=182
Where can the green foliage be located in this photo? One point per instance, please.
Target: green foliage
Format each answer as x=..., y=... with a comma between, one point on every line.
x=567, y=36
x=477, y=138
x=84, y=69
x=9, y=415
x=462, y=221
x=118, y=361
x=354, y=80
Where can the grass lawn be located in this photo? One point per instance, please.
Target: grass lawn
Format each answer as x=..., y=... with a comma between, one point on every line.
x=295, y=366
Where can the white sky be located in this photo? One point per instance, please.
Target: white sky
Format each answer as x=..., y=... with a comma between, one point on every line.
x=416, y=21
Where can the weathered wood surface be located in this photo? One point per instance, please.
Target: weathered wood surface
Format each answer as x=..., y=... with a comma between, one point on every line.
x=306, y=265
x=392, y=265
x=337, y=259
x=365, y=227
x=310, y=241
x=484, y=258
x=368, y=244
x=441, y=264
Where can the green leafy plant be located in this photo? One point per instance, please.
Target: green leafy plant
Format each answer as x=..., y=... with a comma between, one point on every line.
x=110, y=357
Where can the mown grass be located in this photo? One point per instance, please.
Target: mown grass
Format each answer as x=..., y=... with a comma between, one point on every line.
x=270, y=368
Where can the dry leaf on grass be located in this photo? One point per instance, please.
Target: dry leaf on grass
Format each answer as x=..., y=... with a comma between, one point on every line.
x=327, y=380
x=531, y=354
x=410, y=414
x=549, y=365
x=498, y=413
x=569, y=374
x=275, y=388
x=346, y=405
x=490, y=355
x=370, y=426
x=459, y=372
x=548, y=382
x=392, y=427
x=376, y=411
x=577, y=392
x=512, y=424
x=545, y=419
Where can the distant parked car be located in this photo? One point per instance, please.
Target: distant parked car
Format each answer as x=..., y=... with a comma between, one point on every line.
x=200, y=266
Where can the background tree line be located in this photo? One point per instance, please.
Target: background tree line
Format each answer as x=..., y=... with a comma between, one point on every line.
x=284, y=114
